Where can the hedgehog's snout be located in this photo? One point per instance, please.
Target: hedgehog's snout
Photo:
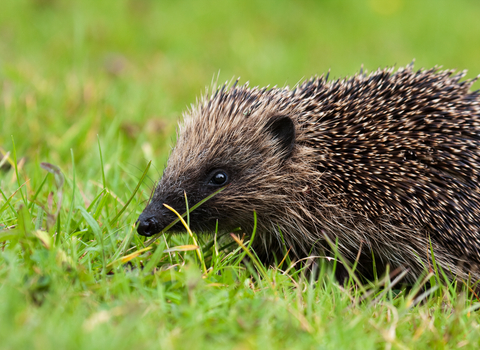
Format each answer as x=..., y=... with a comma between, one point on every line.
x=148, y=225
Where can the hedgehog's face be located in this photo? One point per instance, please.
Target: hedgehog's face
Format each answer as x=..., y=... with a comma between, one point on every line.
x=247, y=159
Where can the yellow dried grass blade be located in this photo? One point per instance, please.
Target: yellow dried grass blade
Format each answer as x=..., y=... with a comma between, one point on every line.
x=199, y=252
x=182, y=248
x=127, y=258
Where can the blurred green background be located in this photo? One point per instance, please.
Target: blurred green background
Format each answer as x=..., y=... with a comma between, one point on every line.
x=126, y=69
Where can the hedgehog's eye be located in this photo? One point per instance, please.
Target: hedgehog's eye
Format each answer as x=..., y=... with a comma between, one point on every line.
x=219, y=178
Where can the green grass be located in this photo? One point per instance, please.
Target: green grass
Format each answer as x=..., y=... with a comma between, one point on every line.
x=95, y=88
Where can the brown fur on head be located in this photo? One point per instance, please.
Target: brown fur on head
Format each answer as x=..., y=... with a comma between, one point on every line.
x=387, y=163
x=250, y=135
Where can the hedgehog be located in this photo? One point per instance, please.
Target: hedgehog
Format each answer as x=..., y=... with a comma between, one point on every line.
x=386, y=165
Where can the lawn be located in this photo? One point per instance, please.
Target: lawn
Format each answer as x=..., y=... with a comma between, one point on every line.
x=91, y=92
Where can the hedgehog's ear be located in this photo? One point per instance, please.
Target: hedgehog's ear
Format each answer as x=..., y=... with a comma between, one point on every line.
x=283, y=130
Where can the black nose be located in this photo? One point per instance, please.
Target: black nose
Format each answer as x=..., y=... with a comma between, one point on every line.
x=147, y=225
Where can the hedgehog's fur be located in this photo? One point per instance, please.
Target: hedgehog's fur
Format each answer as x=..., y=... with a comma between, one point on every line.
x=385, y=163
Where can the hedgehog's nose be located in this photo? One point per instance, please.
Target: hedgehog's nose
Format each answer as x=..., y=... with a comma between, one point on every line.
x=147, y=225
